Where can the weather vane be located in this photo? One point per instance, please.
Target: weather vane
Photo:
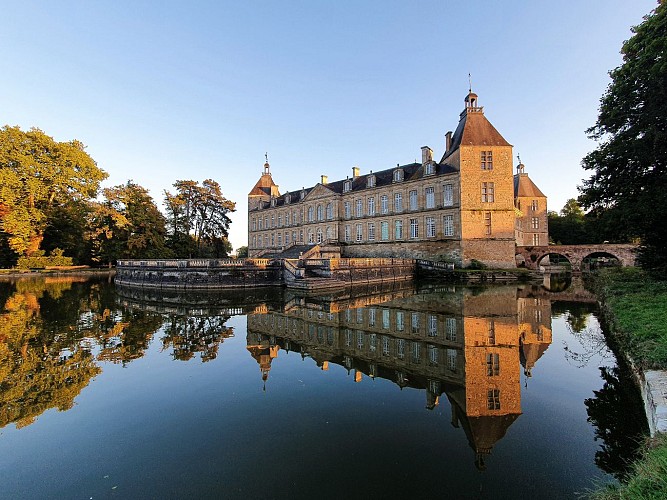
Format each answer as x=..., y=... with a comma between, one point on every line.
x=469, y=83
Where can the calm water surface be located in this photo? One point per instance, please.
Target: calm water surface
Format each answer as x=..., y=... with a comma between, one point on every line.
x=417, y=392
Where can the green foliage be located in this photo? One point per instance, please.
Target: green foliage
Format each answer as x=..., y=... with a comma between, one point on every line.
x=629, y=166
x=242, y=252
x=636, y=306
x=476, y=265
x=37, y=173
x=40, y=261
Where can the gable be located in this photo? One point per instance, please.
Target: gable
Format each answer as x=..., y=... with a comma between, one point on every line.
x=318, y=192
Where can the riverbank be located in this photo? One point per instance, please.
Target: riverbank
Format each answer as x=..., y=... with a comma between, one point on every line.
x=634, y=306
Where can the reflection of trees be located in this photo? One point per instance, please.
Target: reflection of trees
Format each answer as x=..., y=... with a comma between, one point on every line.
x=128, y=336
x=189, y=335
x=616, y=411
x=591, y=344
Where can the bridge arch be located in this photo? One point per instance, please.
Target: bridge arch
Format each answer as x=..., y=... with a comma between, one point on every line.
x=597, y=259
x=553, y=258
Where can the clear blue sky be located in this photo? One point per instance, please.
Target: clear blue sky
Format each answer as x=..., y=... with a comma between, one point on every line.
x=160, y=91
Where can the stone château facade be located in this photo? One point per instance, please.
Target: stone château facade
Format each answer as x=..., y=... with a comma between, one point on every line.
x=458, y=209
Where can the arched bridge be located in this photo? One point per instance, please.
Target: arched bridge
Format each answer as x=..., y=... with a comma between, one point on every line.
x=576, y=255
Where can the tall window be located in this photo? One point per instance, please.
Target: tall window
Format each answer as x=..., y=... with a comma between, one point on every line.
x=280, y=221
x=451, y=359
x=287, y=238
x=320, y=215
x=398, y=227
x=348, y=210
x=487, y=160
x=487, y=223
x=295, y=217
x=280, y=239
x=360, y=233
x=254, y=224
x=273, y=221
x=371, y=232
x=533, y=205
x=414, y=323
x=384, y=231
x=347, y=186
x=400, y=321
x=288, y=217
x=384, y=204
x=430, y=197
x=413, y=200
x=273, y=239
x=429, y=169
x=310, y=236
x=294, y=236
x=492, y=365
x=329, y=211
x=261, y=224
x=448, y=225
x=492, y=332
x=371, y=205
x=319, y=235
x=430, y=227
x=450, y=329
x=447, y=195
x=493, y=399
x=414, y=228
x=398, y=202
x=370, y=181
x=360, y=208
x=536, y=239
x=310, y=214
x=398, y=175
x=416, y=351
x=347, y=233
x=487, y=192
x=400, y=348
x=433, y=354
x=432, y=325
x=535, y=222
x=329, y=233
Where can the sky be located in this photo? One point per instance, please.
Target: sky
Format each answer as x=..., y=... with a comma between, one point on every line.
x=165, y=91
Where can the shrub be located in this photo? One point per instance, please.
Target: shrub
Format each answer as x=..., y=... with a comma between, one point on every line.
x=40, y=261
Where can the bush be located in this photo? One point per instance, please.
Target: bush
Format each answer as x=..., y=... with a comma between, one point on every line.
x=40, y=261
x=475, y=264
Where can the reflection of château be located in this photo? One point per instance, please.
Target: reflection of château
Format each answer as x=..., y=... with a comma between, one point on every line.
x=468, y=346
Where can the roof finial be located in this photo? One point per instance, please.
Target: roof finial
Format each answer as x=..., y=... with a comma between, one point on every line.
x=469, y=83
x=518, y=157
x=266, y=155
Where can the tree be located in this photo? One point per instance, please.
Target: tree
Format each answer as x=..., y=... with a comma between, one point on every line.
x=198, y=214
x=242, y=252
x=568, y=227
x=629, y=166
x=36, y=174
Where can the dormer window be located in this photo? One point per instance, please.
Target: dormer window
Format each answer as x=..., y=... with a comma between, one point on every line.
x=398, y=175
x=273, y=202
x=303, y=194
x=288, y=198
x=347, y=186
x=370, y=181
x=429, y=169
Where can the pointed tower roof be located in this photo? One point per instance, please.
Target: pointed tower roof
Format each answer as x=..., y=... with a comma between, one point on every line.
x=474, y=129
x=523, y=186
x=265, y=185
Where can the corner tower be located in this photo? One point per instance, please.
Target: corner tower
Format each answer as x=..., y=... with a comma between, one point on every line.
x=264, y=189
x=484, y=160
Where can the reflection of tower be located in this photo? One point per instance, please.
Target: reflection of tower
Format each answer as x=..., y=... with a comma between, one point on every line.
x=263, y=352
x=534, y=320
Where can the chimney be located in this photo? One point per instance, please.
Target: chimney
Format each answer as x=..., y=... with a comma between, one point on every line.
x=448, y=141
x=324, y=179
x=427, y=155
x=355, y=172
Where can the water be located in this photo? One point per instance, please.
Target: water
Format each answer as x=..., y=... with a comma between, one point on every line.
x=498, y=392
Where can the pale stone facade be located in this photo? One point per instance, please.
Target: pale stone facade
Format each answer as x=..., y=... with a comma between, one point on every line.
x=458, y=210
x=531, y=224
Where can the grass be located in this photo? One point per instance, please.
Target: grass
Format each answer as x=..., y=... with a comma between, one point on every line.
x=648, y=479
x=635, y=305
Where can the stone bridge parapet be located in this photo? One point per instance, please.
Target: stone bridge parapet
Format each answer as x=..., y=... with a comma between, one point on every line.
x=576, y=254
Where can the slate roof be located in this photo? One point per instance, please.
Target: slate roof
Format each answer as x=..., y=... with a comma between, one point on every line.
x=263, y=186
x=474, y=130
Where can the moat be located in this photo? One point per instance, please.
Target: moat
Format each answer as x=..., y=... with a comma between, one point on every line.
x=399, y=390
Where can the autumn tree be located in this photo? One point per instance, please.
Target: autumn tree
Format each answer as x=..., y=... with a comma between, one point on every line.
x=197, y=218
x=629, y=166
x=38, y=173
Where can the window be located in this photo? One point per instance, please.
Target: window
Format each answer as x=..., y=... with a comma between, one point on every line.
x=371, y=232
x=385, y=345
x=254, y=224
x=384, y=204
x=492, y=332
x=487, y=160
x=447, y=195
x=287, y=238
x=295, y=219
x=320, y=215
x=261, y=224
x=448, y=225
x=432, y=325
x=536, y=240
x=254, y=241
x=413, y=200
x=398, y=202
x=288, y=218
x=371, y=316
x=266, y=221
x=414, y=228
x=398, y=226
x=429, y=169
x=430, y=197
x=416, y=351
x=415, y=322
x=493, y=399
x=360, y=208
x=347, y=233
x=400, y=348
x=348, y=210
x=450, y=329
x=273, y=239
x=432, y=354
x=280, y=221
x=360, y=340
x=319, y=235
x=487, y=223
x=385, y=319
x=310, y=236
x=301, y=236
x=329, y=211
x=451, y=359
x=329, y=233
x=294, y=236
x=533, y=205
x=400, y=321
x=347, y=186
x=384, y=231
x=310, y=214
x=370, y=181
x=398, y=175
x=487, y=192
x=535, y=222
x=492, y=365
x=371, y=205
x=288, y=198
x=280, y=239
x=430, y=227
x=359, y=232
x=273, y=221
